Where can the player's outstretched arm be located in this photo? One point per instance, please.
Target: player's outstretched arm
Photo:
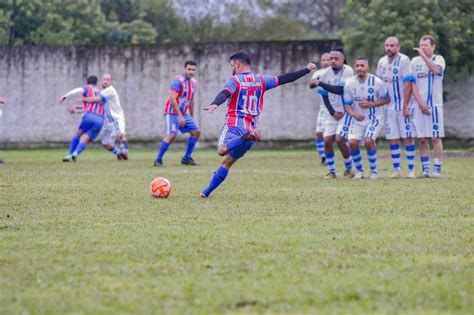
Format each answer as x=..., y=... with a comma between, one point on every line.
x=91, y=99
x=335, y=89
x=293, y=76
x=218, y=100
x=72, y=94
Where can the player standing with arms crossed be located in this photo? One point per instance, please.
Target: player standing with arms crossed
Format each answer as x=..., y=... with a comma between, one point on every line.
x=427, y=102
x=395, y=71
x=245, y=91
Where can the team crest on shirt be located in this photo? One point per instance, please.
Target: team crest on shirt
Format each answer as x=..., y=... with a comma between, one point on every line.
x=407, y=127
x=371, y=90
x=395, y=71
x=435, y=127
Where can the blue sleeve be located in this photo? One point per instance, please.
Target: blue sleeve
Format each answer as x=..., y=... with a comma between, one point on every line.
x=85, y=91
x=270, y=82
x=230, y=85
x=408, y=78
x=176, y=86
x=322, y=91
x=103, y=99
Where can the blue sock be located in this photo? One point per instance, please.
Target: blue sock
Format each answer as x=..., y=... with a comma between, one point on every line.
x=372, y=157
x=115, y=150
x=234, y=143
x=74, y=143
x=80, y=148
x=330, y=161
x=348, y=163
x=425, y=163
x=219, y=176
x=124, y=146
x=189, y=150
x=163, y=148
x=320, y=147
x=395, y=151
x=410, y=157
x=357, y=160
x=437, y=165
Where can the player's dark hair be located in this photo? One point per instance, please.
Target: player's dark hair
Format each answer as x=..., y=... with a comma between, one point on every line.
x=242, y=56
x=190, y=63
x=92, y=80
x=341, y=50
x=430, y=38
x=361, y=58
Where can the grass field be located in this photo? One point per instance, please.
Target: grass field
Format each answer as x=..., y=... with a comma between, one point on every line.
x=87, y=237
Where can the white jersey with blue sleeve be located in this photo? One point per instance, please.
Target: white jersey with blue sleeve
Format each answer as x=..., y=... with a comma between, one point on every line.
x=338, y=78
x=394, y=74
x=371, y=89
x=430, y=85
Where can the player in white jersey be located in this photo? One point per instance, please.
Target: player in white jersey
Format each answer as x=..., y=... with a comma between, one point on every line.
x=395, y=70
x=337, y=125
x=364, y=97
x=323, y=113
x=427, y=103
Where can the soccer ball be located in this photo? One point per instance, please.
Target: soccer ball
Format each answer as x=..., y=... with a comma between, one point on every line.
x=160, y=187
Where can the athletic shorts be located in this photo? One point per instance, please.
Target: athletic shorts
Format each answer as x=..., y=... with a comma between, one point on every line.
x=368, y=128
x=109, y=133
x=429, y=126
x=338, y=127
x=322, y=117
x=172, y=124
x=229, y=133
x=91, y=124
x=397, y=126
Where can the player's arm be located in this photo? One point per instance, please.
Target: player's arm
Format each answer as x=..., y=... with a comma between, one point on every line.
x=293, y=76
x=174, y=102
x=218, y=100
x=377, y=103
x=435, y=68
x=416, y=94
x=351, y=113
x=191, y=107
x=347, y=101
x=72, y=94
x=335, y=89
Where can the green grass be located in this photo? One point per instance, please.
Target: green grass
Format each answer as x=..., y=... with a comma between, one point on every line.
x=87, y=237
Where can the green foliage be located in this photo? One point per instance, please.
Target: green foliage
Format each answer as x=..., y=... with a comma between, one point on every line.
x=369, y=23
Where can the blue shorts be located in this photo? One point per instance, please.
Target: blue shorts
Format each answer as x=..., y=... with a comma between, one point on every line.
x=229, y=133
x=172, y=124
x=91, y=124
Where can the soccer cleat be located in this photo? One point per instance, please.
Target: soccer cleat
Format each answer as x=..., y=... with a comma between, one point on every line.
x=424, y=174
x=359, y=175
x=158, y=163
x=323, y=162
x=74, y=157
x=123, y=155
x=396, y=174
x=189, y=161
x=373, y=175
x=67, y=158
x=348, y=174
x=203, y=196
x=330, y=175
x=435, y=175
x=411, y=175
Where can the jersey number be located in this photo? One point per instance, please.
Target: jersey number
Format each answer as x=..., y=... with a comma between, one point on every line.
x=250, y=104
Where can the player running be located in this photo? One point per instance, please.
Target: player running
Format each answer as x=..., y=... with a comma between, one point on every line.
x=428, y=103
x=181, y=98
x=245, y=90
x=337, y=125
x=92, y=120
x=395, y=70
x=323, y=111
x=364, y=97
x=115, y=127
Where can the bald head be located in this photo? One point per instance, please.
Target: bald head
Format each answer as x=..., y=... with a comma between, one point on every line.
x=392, y=46
x=106, y=80
x=325, y=60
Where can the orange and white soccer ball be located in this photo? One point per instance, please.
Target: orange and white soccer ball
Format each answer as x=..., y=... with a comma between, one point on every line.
x=160, y=187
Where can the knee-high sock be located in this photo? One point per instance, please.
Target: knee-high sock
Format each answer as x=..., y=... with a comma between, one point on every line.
x=320, y=147
x=357, y=160
x=162, y=150
x=115, y=150
x=189, y=149
x=219, y=176
x=124, y=146
x=330, y=162
x=74, y=143
x=348, y=163
x=395, y=151
x=437, y=165
x=410, y=150
x=372, y=157
x=80, y=148
x=425, y=163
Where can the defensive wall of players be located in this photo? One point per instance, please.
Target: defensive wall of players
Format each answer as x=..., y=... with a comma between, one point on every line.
x=33, y=78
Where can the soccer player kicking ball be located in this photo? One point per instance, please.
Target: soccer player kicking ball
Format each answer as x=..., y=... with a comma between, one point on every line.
x=245, y=90
x=364, y=97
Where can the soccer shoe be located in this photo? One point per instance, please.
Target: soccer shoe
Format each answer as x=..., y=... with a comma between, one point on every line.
x=123, y=155
x=203, y=196
x=396, y=174
x=348, y=174
x=330, y=175
x=411, y=175
x=424, y=174
x=435, y=175
x=359, y=175
x=189, y=161
x=158, y=163
x=67, y=158
x=74, y=157
x=119, y=157
x=323, y=162
x=373, y=176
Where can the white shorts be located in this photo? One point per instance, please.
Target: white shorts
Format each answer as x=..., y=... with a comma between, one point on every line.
x=397, y=126
x=338, y=127
x=368, y=128
x=429, y=126
x=322, y=117
x=120, y=125
x=109, y=133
